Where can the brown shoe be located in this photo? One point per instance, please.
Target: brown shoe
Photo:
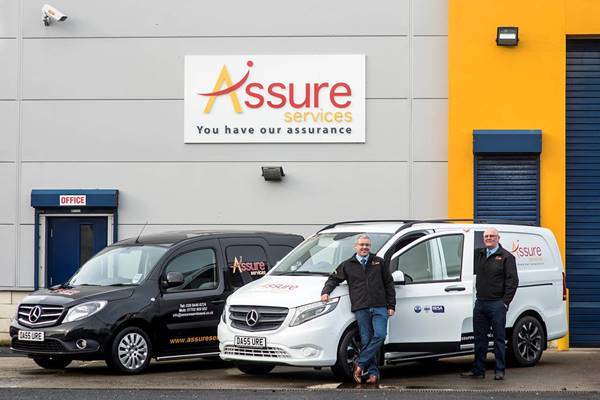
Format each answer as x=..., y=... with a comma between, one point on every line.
x=357, y=373
x=373, y=379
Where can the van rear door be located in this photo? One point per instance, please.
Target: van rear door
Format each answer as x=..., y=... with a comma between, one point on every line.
x=437, y=297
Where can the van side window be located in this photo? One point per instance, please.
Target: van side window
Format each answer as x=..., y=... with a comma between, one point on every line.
x=279, y=251
x=199, y=270
x=437, y=259
x=245, y=263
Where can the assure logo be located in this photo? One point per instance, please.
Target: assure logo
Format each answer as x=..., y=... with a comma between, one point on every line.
x=253, y=267
x=259, y=98
x=276, y=95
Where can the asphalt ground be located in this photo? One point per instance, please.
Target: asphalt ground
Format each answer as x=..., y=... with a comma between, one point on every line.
x=112, y=394
x=572, y=371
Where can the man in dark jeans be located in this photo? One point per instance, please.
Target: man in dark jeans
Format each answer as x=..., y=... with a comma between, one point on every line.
x=373, y=300
x=496, y=283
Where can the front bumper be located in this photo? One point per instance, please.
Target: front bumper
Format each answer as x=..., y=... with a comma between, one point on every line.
x=311, y=344
x=61, y=339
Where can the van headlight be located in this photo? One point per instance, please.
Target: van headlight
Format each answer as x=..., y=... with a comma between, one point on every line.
x=224, y=314
x=313, y=310
x=84, y=310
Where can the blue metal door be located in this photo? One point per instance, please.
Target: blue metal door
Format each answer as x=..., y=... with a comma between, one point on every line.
x=507, y=187
x=583, y=191
x=71, y=241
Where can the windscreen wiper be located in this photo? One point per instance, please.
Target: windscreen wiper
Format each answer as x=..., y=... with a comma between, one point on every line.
x=310, y=273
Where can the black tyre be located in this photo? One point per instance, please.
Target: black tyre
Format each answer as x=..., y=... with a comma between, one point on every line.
x=255, y=369
x=52, y=362
x=130, y=351
x=348, y=351
x=527, y=342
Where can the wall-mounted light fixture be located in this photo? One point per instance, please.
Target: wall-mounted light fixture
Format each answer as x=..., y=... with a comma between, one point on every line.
x=507, y=36
x=52, y=14
x=272, y=173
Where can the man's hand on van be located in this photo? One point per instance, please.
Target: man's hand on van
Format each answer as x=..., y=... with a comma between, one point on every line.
x=324, y=298
x=391, y=312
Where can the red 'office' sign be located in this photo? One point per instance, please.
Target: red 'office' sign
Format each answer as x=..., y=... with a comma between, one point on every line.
x=73, y=200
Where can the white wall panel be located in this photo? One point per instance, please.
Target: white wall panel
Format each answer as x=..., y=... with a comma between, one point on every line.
x=220, y=18
x=9, y=17
x=430, y=190
x=8, y=130
x=430, y=17
x=26, y=270
x=7, y=255
x=430, y=129
x=430, y=71
x=232, y=193
x=152, y=68
x=153, y=131
x=7, y=193
x=8, y=68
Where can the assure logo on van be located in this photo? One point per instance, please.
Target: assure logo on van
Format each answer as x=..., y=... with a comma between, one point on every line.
x=527, y=254
x=253, y=267
x=275, y=99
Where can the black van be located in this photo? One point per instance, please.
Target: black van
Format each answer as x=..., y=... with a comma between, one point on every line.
x=157, y=295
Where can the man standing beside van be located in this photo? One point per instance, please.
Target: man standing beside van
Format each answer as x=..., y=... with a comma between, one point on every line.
x=373, y=300
x=496, y=283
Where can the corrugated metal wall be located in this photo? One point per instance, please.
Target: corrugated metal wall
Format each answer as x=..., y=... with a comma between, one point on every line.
x=583, y=190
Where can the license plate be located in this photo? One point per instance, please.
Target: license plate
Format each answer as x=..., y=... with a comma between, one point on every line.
x=251, y=341
x=31, y=336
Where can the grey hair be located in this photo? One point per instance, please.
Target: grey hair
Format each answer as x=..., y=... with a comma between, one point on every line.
x=363, y=236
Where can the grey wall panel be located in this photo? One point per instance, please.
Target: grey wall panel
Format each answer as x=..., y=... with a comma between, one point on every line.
x=128, y=231
x=7, y=193
x=152, y=68
x=9, y=17
x=220, y=18
x=8, y=69
x=7, y=255
x=430, y=190
x=430, y=70
x=430, y=17
x=26, y=269
x=430, y=129
x=153, y=131
x=9, y=130
x=232, y=193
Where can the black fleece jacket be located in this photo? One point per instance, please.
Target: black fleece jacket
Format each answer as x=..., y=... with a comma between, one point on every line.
x=370, y=286
x=497, y=277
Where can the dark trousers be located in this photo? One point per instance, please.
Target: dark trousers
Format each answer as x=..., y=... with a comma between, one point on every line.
x=489, y=314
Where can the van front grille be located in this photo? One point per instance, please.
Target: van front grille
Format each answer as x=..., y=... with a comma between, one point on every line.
x=37, y=315
x=267, y=352
x=267, y=318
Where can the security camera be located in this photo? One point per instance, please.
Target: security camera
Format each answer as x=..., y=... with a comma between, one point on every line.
x=51, y=14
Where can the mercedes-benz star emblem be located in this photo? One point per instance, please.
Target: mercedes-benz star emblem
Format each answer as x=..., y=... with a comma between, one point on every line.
x=252, y=317
x=35, y=314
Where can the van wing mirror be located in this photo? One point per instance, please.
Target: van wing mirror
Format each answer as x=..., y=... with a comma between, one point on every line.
x=174, y=279
x=398, y=278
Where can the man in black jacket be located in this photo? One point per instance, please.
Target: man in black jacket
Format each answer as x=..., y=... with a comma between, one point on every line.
x=496, y=283
x=373, y=300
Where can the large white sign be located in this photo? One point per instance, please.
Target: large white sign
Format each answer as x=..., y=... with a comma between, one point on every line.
x=275, y=99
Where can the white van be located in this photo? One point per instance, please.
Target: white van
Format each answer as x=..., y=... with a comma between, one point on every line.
x=280, y=320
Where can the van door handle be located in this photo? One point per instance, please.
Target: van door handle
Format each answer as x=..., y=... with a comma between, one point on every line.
x=455, y=288
x=218, y=301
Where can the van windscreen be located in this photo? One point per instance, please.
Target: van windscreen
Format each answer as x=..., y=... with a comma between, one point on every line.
x=322, y=253
x=115, y=266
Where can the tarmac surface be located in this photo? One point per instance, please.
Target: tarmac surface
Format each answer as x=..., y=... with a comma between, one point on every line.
x=576, y=370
